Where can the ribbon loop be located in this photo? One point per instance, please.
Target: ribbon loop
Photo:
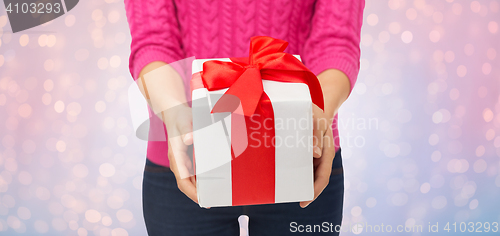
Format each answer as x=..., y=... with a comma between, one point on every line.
x=267, y=60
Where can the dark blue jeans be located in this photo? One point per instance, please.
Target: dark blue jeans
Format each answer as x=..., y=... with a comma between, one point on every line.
x=167, y=211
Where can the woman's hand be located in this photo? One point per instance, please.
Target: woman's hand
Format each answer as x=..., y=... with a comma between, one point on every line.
x=179, y=125
x=163, y=88
x=336, y=87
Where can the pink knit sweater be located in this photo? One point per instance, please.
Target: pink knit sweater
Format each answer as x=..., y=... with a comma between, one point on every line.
x=325, y=33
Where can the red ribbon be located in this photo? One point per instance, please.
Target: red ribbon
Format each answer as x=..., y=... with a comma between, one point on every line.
x=253, y=167
x=243, y=76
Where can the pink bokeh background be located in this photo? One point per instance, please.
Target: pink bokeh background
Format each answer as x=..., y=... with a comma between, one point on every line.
x=420, y=132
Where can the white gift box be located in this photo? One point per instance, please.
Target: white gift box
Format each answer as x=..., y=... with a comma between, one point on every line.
x=293, y=157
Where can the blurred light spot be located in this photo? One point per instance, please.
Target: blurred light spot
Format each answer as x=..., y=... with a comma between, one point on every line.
x=437, y=17
x=48, y=65
x=399, y=199
x=372, y=19
x=475, y=6
x=92, y=216
x=473, y=204
x=456, y=9
x=384, y=36
x=438, y=56
x=59, y=106
x=469, y=49
x=366, y=40
x=3, y=99
x=69, y=20
x=493, y=27
x=387, y=88
x=48, y=85
x=404, y=116
x=394, y=4
x=80, y=170
x=433, y=139
x=461, y=71
x=114, y=202
x=120, y=37
x=73, y=225
x=3, y=20
x=107, y=169
x=59, y=224
x=42, y=193
x=51, y=40
x=102, y=63
x=24, y=178
x=371, y=202
x=454, y=131
x=496, y=143
x=439, y=202
x=114, y=61
x=41, y=226
x=100, y=106
x=124, y=215
x=82, y=232
x=480, y=166
x=113, y=16
x=42, y=40
x=469, y=189
x=394, y=27
x=437, y=117
x=486, y=68
x=407, y=37
x=437, y=181
x=24, y=40
x=425, y=188
x=436, y=156
x=74, y=109
x=482, y=92
x=391, y=150
x=119, y=232
x=491, y=53
x=107, y=221
x=455, y=147
x=449, y=56
x=434, y=36
x=24, y=110
x=46, y=98
x=411, y=14
x=96, y=14
x=480, y=150
x=24, y=213
x=488, y=115
x=60, y=146
x=454, y=94
x=108, y=123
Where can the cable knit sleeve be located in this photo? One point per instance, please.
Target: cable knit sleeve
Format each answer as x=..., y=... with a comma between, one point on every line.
x=155, y=33
x=333, y=42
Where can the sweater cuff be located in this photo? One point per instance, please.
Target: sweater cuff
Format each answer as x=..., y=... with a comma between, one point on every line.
x=147, y=55
x=351, y=69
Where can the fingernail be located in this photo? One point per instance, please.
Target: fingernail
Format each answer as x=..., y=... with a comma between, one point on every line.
x=317, y=150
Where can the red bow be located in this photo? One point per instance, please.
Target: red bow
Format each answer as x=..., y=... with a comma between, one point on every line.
x=244, y=76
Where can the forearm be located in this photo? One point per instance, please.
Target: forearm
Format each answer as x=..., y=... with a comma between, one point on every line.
x=162, y=86
x=336, y=87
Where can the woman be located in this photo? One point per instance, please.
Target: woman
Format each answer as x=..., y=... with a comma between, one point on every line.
x=325, y=33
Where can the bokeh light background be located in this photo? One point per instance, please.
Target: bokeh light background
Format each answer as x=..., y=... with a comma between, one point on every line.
x=429, y=84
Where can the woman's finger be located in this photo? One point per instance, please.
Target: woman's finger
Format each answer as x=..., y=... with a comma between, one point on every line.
x=317, y=142
x=188, y=188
